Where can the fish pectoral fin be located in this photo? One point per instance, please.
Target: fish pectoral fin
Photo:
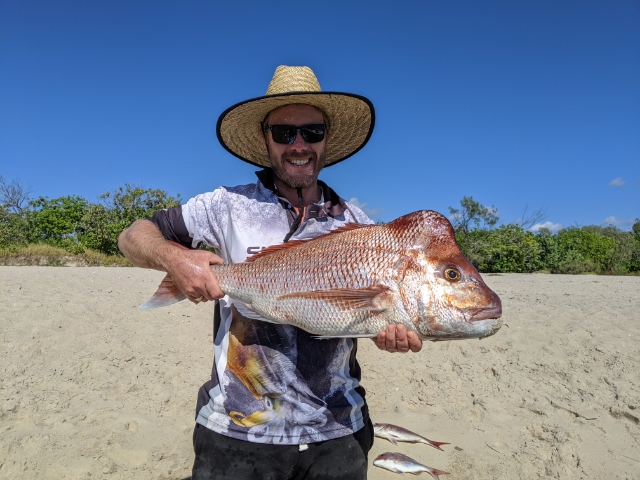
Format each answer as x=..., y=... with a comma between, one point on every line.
x=376, y=298
x=246, y=311
x=393, y=440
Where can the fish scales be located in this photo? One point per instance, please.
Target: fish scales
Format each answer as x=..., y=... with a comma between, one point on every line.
x=360, y=278
x=357, y=260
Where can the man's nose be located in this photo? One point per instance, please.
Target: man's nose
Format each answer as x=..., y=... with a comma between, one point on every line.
x=299, y=142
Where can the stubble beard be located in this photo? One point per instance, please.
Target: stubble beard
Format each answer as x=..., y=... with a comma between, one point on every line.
x=297, y=181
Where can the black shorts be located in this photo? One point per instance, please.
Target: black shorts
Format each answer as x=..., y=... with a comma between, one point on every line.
x=219, y=457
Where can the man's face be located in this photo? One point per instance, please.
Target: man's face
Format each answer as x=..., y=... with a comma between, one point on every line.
x=297, y=164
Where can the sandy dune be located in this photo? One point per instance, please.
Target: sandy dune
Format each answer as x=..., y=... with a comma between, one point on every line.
x=93, y=387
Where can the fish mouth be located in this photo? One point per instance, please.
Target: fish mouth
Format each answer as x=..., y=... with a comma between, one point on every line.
x=486, y=313
x=491, y=312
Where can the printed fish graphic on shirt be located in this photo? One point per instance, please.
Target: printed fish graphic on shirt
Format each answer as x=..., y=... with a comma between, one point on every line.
x=396, y=434
x=358, y=279
x=271, y=378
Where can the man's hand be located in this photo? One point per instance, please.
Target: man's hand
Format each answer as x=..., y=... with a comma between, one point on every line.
x=396, y=339
x=191, y=272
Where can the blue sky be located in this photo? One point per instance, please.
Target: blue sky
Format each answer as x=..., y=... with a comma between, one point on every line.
x=514, y=103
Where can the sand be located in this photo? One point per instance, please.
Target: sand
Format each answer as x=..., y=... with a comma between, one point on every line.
x=93, y=387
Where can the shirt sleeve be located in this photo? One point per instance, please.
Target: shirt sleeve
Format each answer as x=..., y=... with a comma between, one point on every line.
x=171, y=224
x=358, y=215
x=206, y=217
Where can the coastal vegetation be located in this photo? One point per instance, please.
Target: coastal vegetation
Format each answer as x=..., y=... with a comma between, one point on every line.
x=514, y=248
x=71, y=230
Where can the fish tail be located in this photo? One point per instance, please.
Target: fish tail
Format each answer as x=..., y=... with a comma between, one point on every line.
x=435, y=472
x=167, y=294
x=437, y=444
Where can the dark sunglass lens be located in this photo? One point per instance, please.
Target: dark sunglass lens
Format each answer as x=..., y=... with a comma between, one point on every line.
x=282, y=133
x=312, y=133
x=287, y=133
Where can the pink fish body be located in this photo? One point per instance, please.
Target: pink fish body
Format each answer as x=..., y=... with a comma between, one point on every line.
x=356, y=280
x=398, y=463
x=396, y=434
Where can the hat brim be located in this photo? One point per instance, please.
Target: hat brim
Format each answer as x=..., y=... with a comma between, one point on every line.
x=351, y=121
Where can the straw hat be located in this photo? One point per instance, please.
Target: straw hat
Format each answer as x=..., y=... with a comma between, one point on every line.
x=351, y=117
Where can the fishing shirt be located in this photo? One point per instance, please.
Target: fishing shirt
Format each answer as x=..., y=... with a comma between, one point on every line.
x=269, y=383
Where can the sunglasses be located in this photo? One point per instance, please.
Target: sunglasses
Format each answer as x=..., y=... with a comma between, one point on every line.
x=287, y=134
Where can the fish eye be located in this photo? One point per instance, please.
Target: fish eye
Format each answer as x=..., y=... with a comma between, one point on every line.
x=452, y=274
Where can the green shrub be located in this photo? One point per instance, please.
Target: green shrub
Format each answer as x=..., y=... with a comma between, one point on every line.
x=550, y=254
x=475, y=246
x=618, y=260
x=103, y=222
x=14, y=229
x=515, y=250
x=575, y=266
x=57, y=221
x=74, y=224
x=508, y=249
x=582, y=246
x=634, y=261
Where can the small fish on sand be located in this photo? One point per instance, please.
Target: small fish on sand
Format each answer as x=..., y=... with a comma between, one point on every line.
x=358, y=279
x=398, y=463
x=396, y=434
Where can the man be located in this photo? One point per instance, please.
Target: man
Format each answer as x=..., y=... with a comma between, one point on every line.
x=280, y=404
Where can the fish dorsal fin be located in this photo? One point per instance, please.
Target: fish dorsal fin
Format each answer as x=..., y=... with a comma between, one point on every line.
x=376, y=298
x=274, y=248
x=283, y=246
x=347, y=227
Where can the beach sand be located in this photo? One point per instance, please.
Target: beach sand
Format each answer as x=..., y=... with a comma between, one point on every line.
x=93, y=387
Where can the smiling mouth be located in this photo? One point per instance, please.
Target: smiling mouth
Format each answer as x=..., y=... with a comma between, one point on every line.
x=299, y=161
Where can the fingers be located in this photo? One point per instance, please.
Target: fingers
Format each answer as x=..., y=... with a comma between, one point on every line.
x=402, y=340
x=215, y=259
x=390, y=339
x=209, y=289
x=191, y=272
x=415, y=344
x=212, y=289
x=396, y=338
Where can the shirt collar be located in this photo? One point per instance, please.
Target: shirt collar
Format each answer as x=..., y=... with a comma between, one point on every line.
x=334, y=206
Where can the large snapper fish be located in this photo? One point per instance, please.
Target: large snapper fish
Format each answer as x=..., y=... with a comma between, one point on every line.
x=358, y=279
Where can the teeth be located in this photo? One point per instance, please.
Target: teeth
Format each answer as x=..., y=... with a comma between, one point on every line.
x=299, y=161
